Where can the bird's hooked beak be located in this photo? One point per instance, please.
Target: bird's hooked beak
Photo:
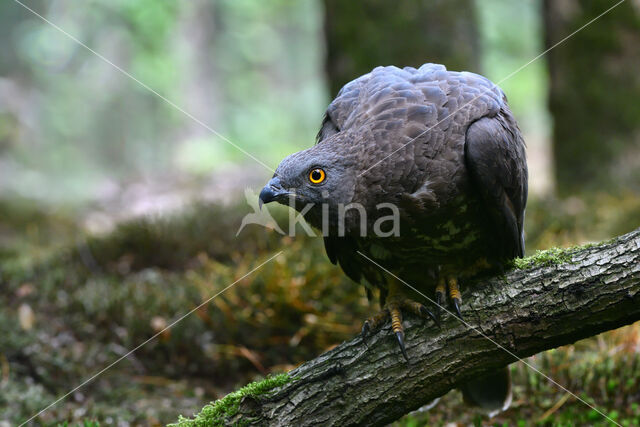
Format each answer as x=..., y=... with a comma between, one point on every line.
x=272, y=191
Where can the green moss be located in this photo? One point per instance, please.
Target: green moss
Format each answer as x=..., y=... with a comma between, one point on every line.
x=216, y=412
x=540, y=258
x=552, y=256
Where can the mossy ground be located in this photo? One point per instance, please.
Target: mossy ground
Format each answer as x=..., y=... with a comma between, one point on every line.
x=70, y=305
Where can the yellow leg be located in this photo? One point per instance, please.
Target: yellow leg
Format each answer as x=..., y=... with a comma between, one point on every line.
x=395, y=303
x=396, y=319
x=454, y=294
x=396, y=326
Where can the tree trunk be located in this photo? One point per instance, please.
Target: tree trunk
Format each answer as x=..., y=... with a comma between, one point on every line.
x=361, y=35
x=594, y=94
x=578, y=294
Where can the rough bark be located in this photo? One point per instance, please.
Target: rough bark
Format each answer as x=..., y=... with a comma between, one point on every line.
x=579, y=294
x=594, y=94
x=361, y=35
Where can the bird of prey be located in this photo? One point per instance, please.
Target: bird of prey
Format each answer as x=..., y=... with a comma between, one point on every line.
x=444, y=149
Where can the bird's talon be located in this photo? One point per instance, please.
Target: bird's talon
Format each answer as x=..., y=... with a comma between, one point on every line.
x=439, y=301
x=424, y=311
x=454, y=294
x=366, y=328
x=456, y=304
x=393, y=311
x=440, y=292
x=400, y=336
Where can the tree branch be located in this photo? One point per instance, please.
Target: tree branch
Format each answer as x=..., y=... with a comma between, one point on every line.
x=561, y=297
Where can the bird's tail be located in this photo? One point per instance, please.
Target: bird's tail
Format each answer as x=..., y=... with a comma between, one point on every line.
x=491, y=392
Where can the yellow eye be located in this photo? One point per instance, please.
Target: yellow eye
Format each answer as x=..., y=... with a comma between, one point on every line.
x=316, y=176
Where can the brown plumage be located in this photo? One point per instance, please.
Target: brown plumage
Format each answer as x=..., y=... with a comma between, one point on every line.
x=441, y=146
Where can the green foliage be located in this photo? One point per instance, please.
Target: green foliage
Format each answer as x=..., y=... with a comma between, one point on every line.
x=218, y=412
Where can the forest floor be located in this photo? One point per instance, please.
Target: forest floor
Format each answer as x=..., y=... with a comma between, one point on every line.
x=71, y=303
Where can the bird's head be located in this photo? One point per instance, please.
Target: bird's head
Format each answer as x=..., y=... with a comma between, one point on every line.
x=322, y=174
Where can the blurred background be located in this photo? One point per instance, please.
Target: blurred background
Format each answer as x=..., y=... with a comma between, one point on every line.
x=119, y=204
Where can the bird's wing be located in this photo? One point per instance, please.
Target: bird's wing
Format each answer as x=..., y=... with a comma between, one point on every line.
x=343, y=249
x=495, y=158
x=327, y=129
